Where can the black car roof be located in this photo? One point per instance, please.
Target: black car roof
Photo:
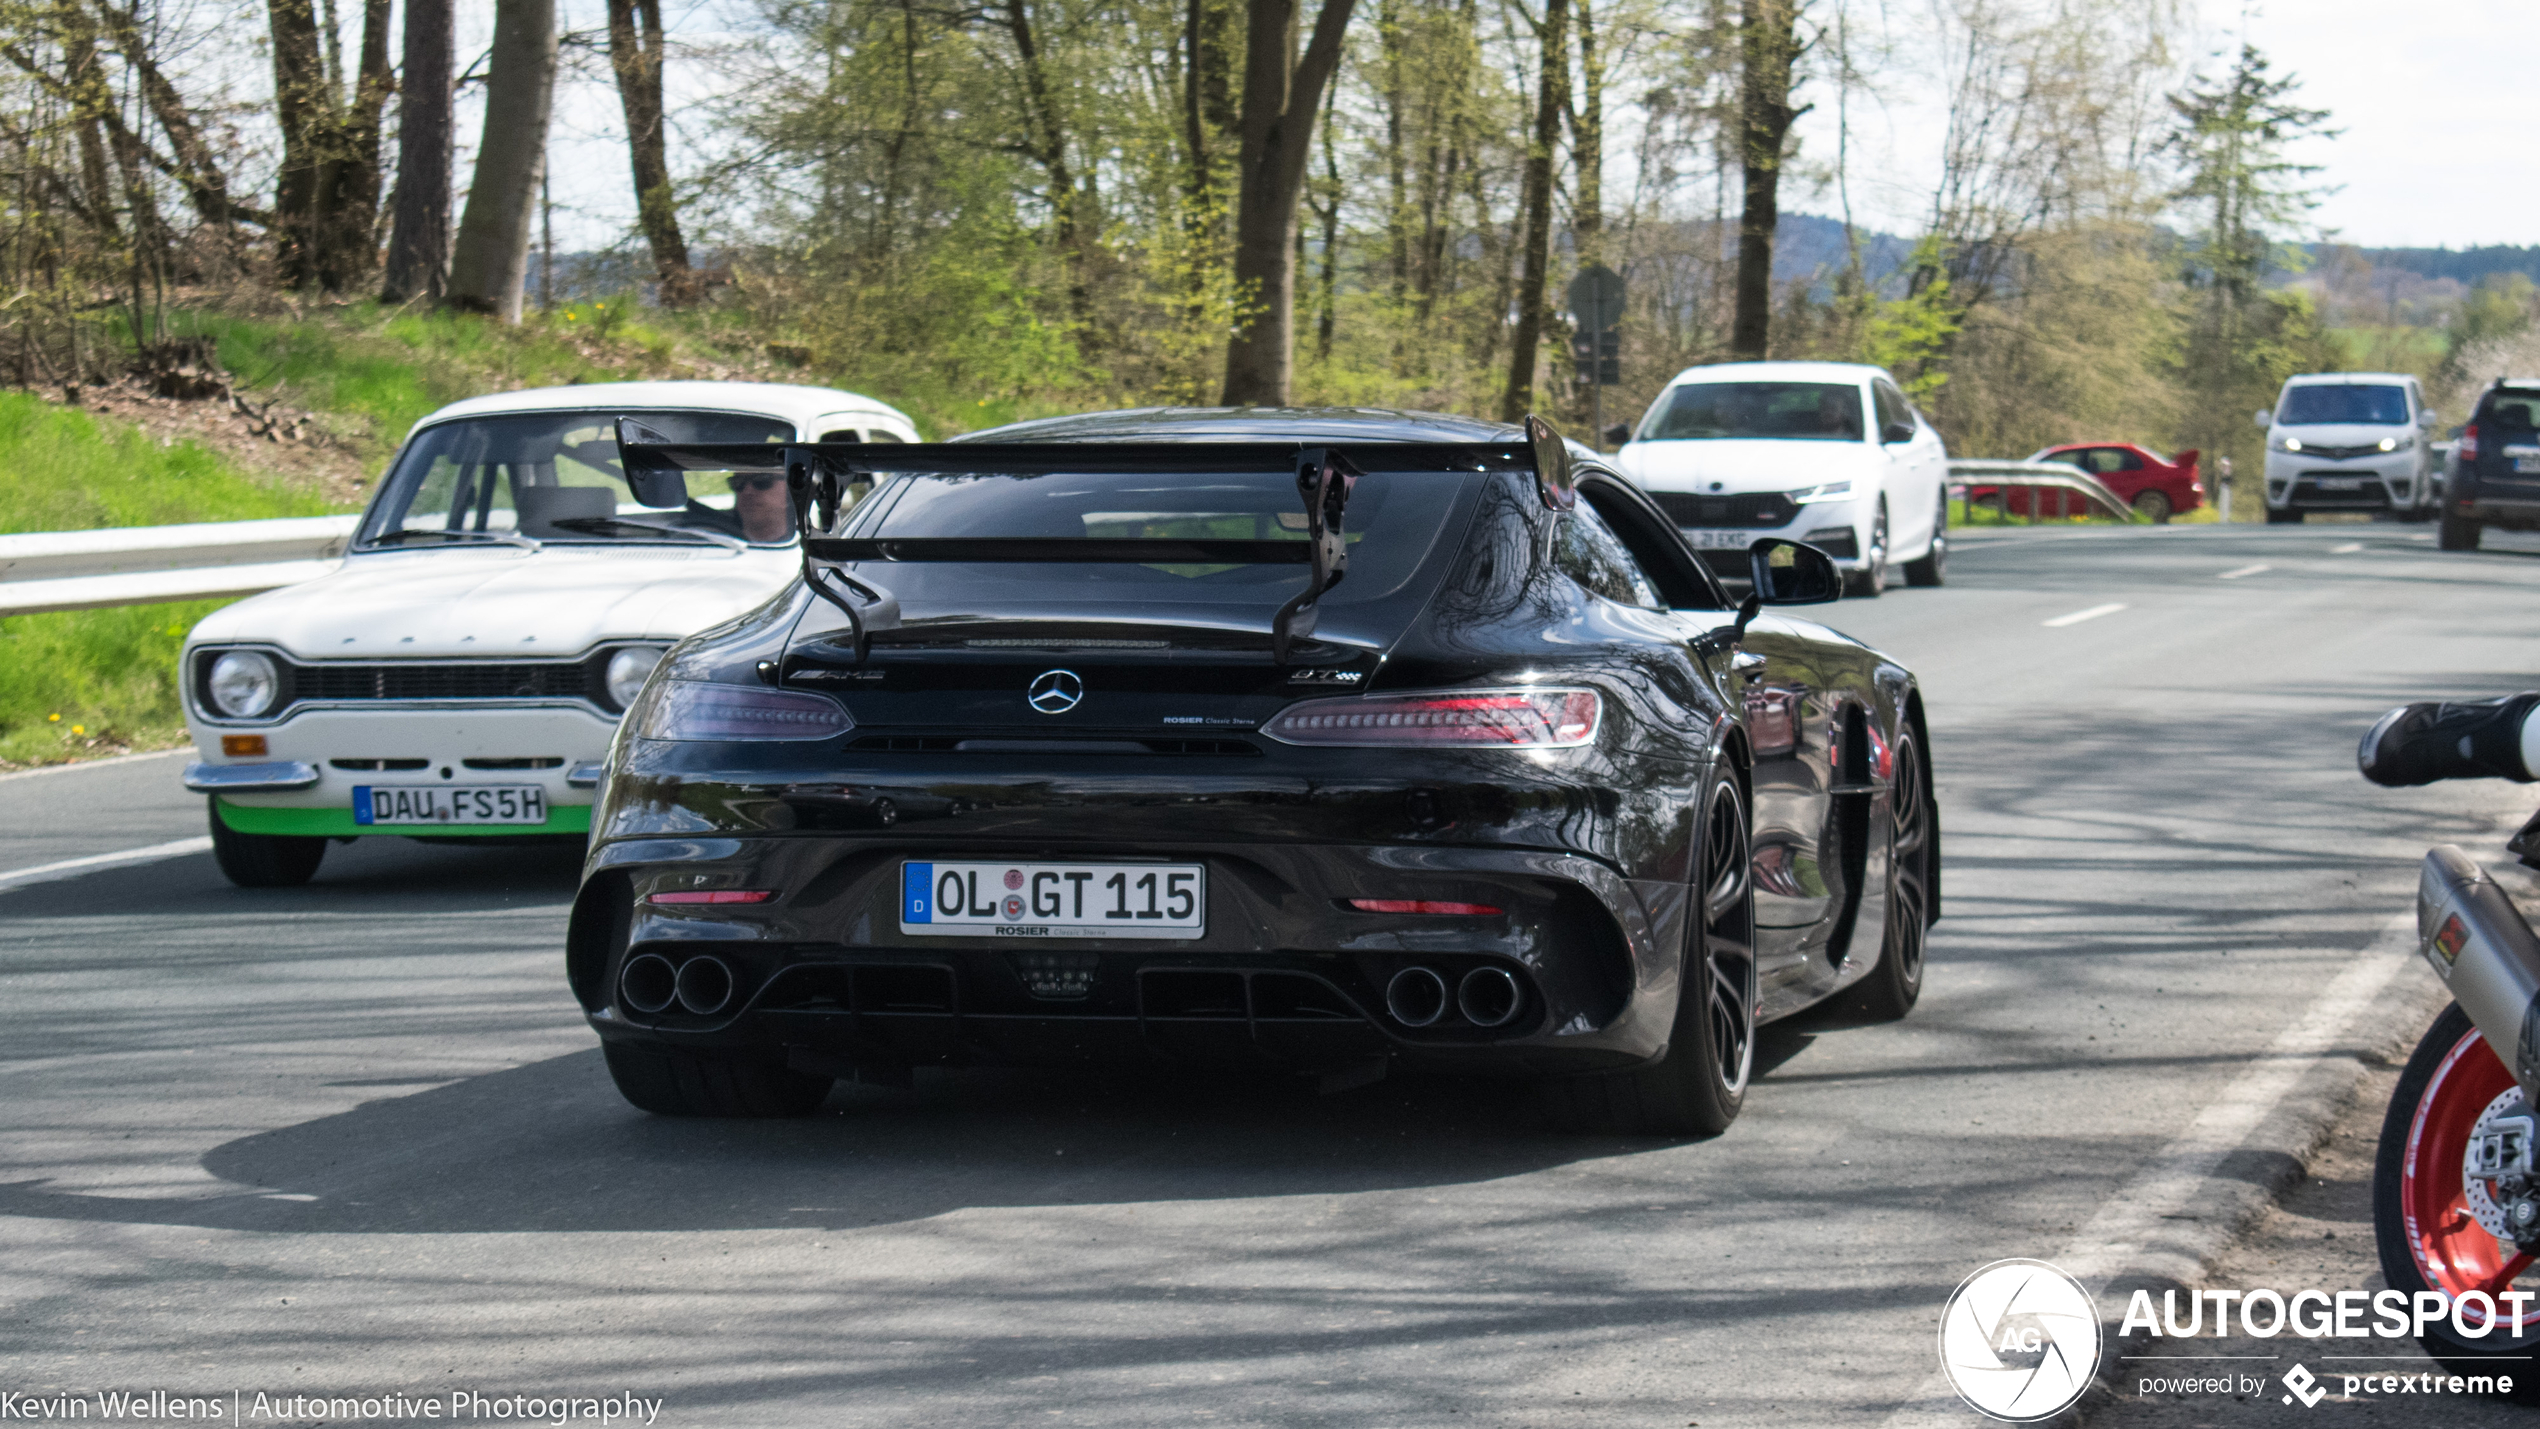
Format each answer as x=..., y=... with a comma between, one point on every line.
x=1253, y=424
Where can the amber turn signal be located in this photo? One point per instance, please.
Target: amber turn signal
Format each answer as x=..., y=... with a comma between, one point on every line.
x=239, y=746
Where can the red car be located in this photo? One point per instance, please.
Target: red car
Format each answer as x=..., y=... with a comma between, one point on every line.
x=2156, y=486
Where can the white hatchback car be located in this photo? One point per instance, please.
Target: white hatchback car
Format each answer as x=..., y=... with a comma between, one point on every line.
x=499, y=607
x=1746, y=450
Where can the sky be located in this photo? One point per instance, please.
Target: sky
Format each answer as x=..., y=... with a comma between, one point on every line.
x=2422, y=93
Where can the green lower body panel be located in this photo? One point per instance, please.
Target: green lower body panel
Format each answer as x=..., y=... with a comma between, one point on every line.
x=338, y=823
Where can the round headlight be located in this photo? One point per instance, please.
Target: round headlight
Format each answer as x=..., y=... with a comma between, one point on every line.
x=244, y=684
x=626, y=672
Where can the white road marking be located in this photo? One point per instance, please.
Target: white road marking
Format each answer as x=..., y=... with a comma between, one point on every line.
x=47, y=769
x=2137, y=1232
x=74, y=867
x=2078, y=616
x=2243, y=571
x=2347, y=549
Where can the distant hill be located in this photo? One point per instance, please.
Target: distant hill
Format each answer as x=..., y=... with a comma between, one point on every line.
x=2462, y=265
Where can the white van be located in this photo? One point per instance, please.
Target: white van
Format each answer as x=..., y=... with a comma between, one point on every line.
x=1829, y=453
x=2349, y=441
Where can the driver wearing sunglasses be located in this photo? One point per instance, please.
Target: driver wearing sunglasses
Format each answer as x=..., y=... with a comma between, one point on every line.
x=760, y=503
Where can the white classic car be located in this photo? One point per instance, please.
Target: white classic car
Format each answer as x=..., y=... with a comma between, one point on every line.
x=499, y=606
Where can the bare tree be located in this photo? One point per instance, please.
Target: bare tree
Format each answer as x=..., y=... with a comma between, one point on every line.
x=1282, y=96
x=1768, y=50
x=635, y=53
x=419, y=235
x=1552, y=101
x=489, y=264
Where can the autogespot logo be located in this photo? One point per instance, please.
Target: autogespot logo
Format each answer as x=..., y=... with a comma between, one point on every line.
x=2019, y=1340
x=1055, y=691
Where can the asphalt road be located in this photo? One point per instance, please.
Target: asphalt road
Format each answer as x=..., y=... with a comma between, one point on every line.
x=352, y=1138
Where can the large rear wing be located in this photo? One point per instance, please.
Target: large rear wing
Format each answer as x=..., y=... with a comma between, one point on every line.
x=818, y=473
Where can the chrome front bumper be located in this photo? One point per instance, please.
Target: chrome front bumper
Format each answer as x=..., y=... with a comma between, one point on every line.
x=280, y=776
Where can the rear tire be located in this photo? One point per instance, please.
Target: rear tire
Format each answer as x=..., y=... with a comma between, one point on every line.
x=2459, y=533
x=2153, y=506
x=2428, y=1237
x=692, y=1084
x=1893, y=987
x=1697, y=1088
x=1933, y=567
x=2276, y=517
x=263, y=860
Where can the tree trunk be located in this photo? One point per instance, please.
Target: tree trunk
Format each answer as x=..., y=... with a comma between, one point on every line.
x=1587, y=144
x=1552, y=100
x=1281, y=99
x=92, y=103
x=635, y=53
x=419, y=236
x=490, y=261
x=347, y=221
x=1049, y=145
x=304, y=109
x=196, y=169
x=1768, y=49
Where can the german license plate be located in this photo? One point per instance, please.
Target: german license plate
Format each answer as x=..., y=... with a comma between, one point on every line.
x=2341, y=483
x=1054, y=900
x=1720, y=540
x=449, y=804
x=2525, y=464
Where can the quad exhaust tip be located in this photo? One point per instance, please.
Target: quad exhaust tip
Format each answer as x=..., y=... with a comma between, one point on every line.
x=1416, y=997
x=702, y=985
x=1488, y=997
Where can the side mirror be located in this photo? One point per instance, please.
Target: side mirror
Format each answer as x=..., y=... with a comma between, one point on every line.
x=1554, y=479
x=1619, y=433
x=1895, y=432
x=1792, y=573
x=2266, y=419
x=656, y=483
x=2425, y=419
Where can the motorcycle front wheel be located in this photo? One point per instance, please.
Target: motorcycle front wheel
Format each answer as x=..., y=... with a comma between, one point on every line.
x=2433, y=1222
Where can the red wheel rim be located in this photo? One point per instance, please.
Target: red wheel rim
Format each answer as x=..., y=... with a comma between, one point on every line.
x=2453, y=1251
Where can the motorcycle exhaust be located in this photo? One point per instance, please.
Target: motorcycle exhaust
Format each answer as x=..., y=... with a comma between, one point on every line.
x=2478, y=943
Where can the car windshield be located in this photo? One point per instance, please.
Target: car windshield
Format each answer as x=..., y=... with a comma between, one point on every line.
x=553, y=476
x=1782, y=411
x=1391, y=522
x=2329, y=403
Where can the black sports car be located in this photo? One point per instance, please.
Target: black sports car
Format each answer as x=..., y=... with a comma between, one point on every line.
x=1308, y=739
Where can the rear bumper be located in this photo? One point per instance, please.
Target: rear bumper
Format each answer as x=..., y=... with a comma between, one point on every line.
x=1286, y=974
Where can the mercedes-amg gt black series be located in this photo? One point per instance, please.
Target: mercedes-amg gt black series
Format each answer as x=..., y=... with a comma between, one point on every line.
x=1307, y=739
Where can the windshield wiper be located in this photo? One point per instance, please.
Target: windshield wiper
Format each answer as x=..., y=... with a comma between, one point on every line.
x=508, y=538
x=597, y=524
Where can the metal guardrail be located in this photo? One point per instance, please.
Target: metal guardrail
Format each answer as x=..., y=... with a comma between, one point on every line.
x=2038, y=477
x=145, y=565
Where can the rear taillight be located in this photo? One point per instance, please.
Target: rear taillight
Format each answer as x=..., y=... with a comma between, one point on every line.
x=696, y=710
x=1423, y=905
x=2468, y=447
x=1488, y=719
x=714, y=895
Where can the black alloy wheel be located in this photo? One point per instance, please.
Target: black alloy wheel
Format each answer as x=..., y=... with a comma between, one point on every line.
x=1932, y=568
x=2458, y=533
x=1697, y=1088
x=263, y=860
x=1892, y=988
x=1867, y=582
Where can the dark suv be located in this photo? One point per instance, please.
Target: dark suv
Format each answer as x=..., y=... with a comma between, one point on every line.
x=2494, y=475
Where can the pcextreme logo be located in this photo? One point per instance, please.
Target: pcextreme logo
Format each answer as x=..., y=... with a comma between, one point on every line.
x=2019, y=1340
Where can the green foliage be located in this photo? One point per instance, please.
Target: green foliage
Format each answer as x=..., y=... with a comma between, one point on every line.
x=89, y=682
x=69, y=471
x=2500, y=307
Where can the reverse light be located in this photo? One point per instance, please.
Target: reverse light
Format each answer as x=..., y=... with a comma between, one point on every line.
x=1487, y=719
x=1423, y=905
x=714, y=895
x=1831, y=491
x=696, y=710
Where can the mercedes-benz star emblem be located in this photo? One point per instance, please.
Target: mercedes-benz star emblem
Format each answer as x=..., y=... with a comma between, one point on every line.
x=1055, y=691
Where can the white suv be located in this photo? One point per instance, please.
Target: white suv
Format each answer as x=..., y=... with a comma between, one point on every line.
x=2349, y=441
x=1829, y=453
x=502, y=603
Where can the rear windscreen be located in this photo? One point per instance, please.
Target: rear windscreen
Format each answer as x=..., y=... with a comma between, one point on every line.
x=2377, y=405
x=2514, y=409
x=1391, y=522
